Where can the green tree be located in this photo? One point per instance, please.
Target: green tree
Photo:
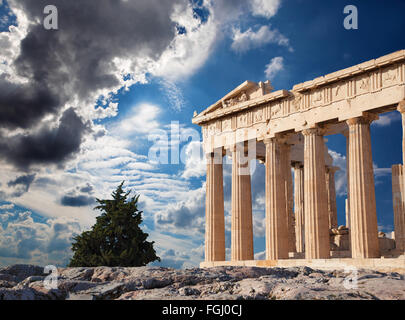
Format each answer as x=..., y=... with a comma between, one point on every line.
x=116, y=239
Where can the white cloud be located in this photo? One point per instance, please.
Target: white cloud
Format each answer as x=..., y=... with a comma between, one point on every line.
x=249, y=39
x=142, y=119
x=195, y=165
x=110, y=111
x=275, y=65
x=7, y=206
x=42, y=243
x=260, y=255
x=185, y=217
x=265, y=8
x=190, y=50
x=386, y=119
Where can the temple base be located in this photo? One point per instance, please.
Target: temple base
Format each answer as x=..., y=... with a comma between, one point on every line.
x=379, y=264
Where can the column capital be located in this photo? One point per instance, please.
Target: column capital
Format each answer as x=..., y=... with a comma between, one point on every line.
x=318, y=131
x=278, y=137
x=217, y=153
x=297, y=164
x=366, y=118
x=332, y=169
x=401, y=107
x=269, y=140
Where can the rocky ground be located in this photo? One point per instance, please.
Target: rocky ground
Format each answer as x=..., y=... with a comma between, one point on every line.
x=24, y=282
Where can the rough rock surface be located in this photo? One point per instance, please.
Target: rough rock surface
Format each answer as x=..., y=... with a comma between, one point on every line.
x=23, y=282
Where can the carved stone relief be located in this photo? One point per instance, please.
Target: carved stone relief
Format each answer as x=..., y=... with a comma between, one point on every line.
x=234, y=101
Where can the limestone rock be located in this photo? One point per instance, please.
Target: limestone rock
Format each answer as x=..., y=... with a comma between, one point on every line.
x=220, y=283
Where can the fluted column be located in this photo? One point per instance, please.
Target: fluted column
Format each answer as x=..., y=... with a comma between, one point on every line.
x=289, y=197
x=214, y=209
x=347, y=211
x=401, y=109
x=399, y=206
x=276, y=219
x=242, y=226
x=299, y=206
x=315, y=198
x=399, y=203
x=331, y=192
x=363, y=215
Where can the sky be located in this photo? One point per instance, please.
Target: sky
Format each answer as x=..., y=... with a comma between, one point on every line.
x=109, y=97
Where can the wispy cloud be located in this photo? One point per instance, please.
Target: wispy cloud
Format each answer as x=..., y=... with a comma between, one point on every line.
x=275, y=66
x=250, y=39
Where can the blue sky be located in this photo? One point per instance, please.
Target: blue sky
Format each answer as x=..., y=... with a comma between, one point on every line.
x=184, y=61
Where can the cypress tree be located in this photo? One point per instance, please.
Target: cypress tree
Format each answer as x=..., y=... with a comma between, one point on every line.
x=116, y=239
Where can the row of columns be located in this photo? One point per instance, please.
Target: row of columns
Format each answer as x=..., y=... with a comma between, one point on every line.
x=314, y=197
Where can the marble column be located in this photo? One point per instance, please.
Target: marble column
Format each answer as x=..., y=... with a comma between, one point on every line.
x=331, y=193
x=401, y=109
x=299, y=206
x=276, y=219
x=363, y=215
x=399, y=206
x=399, y=218
x=289, y=197
x=214, y=209
x=347, y=211
x=242, y=226
x=315, y=197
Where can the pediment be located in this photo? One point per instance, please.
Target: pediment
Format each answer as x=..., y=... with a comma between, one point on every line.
x=248, y=90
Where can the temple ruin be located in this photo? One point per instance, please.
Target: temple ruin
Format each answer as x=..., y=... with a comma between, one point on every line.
x=286, y=129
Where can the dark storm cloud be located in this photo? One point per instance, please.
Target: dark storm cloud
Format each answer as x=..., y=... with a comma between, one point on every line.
x=76, y=201
x=92, y=33
x=79, y=197
x=49, y=145
x=74, y=61
x=17, y=101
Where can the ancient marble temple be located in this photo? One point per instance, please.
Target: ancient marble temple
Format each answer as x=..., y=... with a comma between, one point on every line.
x=285, y=131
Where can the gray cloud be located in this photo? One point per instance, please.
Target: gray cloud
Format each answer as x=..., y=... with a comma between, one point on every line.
x=35, y=242
x=185, y=215
x=79, y=197
x=73, y=63
x=22, y=105
x=76, y=201
x=50, y=145
x=21, y=184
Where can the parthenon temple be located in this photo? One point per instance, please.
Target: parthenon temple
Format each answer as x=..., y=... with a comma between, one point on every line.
x=285, y=131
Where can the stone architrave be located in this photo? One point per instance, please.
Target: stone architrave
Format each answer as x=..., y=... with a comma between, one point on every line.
x=214, y=209
x=242, y=225
x=276, y=219
x=363, y=215
x=315, y=198
x=299, y=206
